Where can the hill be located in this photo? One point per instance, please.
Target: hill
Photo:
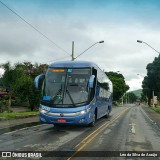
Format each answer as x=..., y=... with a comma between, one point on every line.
x=137, y=92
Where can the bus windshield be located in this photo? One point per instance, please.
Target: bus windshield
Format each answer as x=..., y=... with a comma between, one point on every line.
x=67, y=87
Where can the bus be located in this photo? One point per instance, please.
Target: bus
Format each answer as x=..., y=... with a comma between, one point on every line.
x=74, y=92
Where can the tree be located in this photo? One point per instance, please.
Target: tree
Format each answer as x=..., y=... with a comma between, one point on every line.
x=152, y=81
x=7, y=80
x=131, y=97
x=146, y=92
x=119, y=85
x=20, y=78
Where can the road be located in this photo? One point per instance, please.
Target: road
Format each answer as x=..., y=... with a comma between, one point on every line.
x=127, y=129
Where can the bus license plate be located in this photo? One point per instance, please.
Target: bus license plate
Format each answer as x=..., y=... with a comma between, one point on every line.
x=61, y=120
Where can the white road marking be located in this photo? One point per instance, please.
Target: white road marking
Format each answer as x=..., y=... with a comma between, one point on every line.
x=146, y=114
x=133, y=128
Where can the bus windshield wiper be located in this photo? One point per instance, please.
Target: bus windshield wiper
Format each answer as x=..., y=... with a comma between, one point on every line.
x=67, y=91
x=55, y=97
x=59, y=91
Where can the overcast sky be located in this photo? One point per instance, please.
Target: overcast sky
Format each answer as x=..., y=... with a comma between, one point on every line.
x=118, y=22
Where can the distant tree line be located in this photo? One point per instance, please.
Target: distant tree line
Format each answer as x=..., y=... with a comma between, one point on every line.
x=130, y=97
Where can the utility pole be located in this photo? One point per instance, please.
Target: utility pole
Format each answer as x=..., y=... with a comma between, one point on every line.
x=123, y=99
x=72, y=50
x=126, y=98
x=153, y=97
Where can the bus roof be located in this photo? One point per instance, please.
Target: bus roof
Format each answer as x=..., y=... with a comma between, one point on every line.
x=74, y=64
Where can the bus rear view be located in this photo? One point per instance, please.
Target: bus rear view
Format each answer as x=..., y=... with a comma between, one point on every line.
x=70, y=94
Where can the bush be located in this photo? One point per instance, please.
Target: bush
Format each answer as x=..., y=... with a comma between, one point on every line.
x=156, y=109
x=18, y=102
x=3, y=105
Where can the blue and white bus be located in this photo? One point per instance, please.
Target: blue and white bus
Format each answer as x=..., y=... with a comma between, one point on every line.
x=74, y=92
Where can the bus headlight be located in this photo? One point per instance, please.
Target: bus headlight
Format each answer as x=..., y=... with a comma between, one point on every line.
x=42, y=111
x=83, y=111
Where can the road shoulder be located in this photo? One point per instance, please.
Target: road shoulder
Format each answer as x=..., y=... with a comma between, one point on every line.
x=154, y=116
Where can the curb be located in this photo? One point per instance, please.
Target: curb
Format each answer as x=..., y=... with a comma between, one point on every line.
x=151, y=118
x=17, y=127
x=17, y=117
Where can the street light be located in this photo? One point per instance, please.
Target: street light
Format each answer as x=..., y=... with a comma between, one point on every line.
x=86, y=50
x=139, y=41
x=140, y=75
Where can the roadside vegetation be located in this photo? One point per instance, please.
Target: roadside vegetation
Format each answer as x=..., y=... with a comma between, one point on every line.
x=16, y=115
x=19, y=81
x=156, y=109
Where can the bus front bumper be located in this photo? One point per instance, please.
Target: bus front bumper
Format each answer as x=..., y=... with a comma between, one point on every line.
x=85, y=118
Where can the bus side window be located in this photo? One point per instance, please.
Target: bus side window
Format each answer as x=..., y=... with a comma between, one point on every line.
x=94, y=72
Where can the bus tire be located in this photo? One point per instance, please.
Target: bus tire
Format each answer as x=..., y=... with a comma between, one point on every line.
x=92, y=124
x=56, y=125
x=107, y=114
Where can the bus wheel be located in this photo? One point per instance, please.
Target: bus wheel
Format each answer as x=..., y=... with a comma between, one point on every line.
x=107, y=114
x=56, y=125
x=93, y=122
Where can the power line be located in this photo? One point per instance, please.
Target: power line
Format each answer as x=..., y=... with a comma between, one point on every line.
x=34, y=28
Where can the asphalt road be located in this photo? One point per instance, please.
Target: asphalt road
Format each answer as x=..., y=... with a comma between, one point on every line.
x=133, y=131
x=127, y=129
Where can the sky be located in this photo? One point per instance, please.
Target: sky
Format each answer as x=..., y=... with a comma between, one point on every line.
x=120, y=23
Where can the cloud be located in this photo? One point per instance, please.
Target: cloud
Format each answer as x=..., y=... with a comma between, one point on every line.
x=119, y=30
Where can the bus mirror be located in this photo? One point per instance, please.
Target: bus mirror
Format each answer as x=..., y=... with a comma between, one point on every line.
x=38, y=81
x=91, y=81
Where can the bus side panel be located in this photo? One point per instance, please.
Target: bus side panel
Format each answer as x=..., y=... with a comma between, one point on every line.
x=101, y=104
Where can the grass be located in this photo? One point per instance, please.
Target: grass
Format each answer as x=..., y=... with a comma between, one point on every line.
x=156, y=109
x=16, y=115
